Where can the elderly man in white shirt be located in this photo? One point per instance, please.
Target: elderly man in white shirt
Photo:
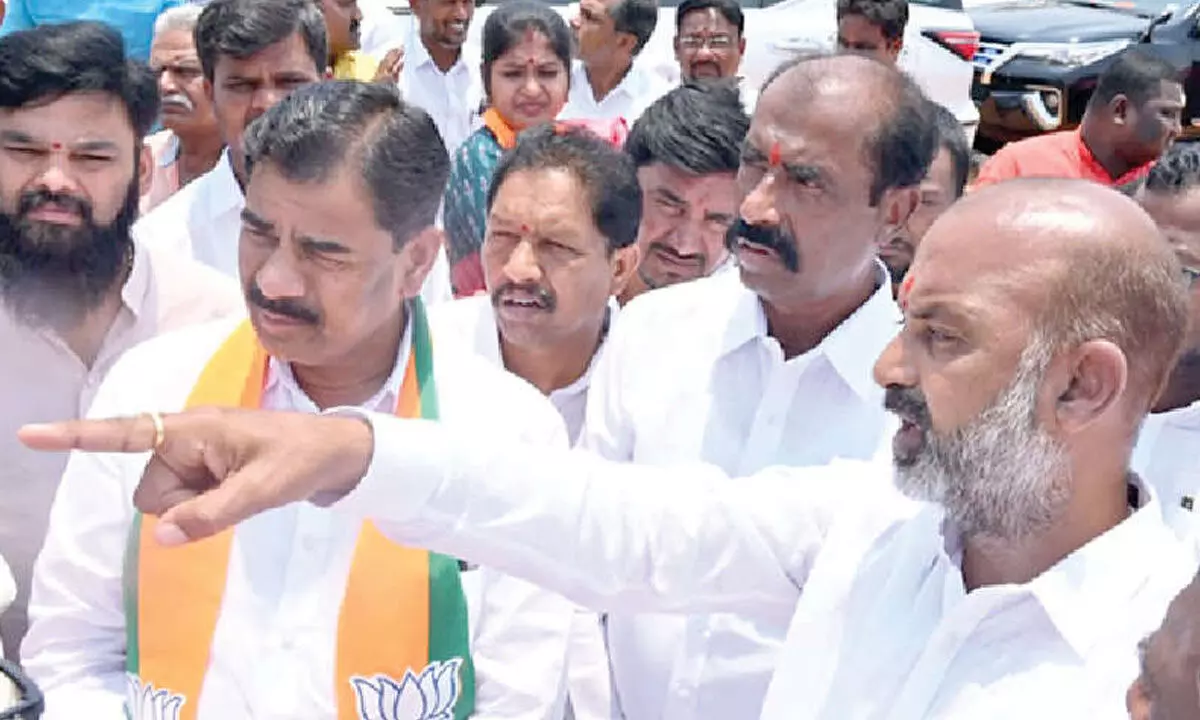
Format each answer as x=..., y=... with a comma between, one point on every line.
x=438, y=76
x=771, y=363
x=302, y=612
x=1011, y=575
x=560, y=243
x=606, y=82
x=1166, y=451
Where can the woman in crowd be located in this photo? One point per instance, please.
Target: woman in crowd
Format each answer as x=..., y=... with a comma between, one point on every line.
x=526, y=67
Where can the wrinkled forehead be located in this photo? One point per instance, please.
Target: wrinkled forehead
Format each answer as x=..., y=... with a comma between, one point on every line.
x=706, y=19
x=828, y=127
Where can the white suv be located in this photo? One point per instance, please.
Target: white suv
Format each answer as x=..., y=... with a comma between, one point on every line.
x=939, y=43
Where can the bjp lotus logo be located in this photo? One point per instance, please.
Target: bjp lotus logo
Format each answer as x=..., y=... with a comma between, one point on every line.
x=144, y=702
x=431, y=695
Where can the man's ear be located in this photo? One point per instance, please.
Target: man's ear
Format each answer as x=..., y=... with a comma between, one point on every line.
x=416, y=259
x=1119, y=107
x=897, y=206
x=624, y=265
x=145, y=169
x=1085, y=383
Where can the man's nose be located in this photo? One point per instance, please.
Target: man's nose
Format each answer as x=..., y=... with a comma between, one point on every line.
x=892, y=367
x=758, y=207
x=522, y=265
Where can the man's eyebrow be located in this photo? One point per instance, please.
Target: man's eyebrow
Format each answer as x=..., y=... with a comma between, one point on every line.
x=322, y=245
x=16, y=136
x=96, y=146
x=257, y=223
x=670, y=196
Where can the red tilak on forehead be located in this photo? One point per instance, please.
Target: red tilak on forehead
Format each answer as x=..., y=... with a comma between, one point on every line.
x=905, y=289
x=56, y=146
x=775, y=157
x=525, y=229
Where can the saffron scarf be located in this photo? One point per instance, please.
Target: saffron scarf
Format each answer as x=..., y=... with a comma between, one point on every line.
x=402, y=645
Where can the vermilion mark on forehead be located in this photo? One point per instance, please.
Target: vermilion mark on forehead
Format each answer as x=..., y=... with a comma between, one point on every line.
x=775, y=157
x=905, y=289
x=525, y=229
x=56, y=146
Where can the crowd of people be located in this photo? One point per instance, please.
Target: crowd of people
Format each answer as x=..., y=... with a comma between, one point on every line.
x=403, y=384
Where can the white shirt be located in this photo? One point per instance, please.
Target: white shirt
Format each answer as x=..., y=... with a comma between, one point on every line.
x=204, y=221
x=273, y=648
x=636, y=91
x=727, y=397
x=883, y=629
x=471, y=321
x=452, y=98
x=1166, y=456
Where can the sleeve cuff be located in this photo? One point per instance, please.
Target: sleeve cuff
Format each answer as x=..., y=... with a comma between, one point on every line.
x=410, y=462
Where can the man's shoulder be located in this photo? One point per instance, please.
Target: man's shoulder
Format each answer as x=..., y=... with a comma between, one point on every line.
x=474, y=393
x=675, y=311
x=187, y=291
x=169, y=220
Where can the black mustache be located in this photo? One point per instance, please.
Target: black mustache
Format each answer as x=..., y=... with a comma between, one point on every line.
x=772, y=238
x=287, y=308
x=909, y=403
x=527, y=289
x=35, y=199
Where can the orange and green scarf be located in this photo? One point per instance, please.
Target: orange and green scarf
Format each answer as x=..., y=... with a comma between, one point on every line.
x=402, y=629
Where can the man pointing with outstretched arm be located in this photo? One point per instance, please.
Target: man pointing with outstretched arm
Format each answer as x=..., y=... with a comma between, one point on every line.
x=1041, y=319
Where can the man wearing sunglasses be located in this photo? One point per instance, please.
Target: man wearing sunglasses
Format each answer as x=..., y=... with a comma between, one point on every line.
x=1166, y=449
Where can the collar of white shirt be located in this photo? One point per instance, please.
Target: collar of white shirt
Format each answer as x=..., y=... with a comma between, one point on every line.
x=851, y=348
x=283, y=391
x=222, y=192
x=135, y=291
x=417, y=56
x=1094, y=586
x=486, y=336
x=634, y=85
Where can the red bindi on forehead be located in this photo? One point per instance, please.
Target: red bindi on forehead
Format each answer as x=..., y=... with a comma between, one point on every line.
x=775, y=156
x=905, y=289
x=56, y=146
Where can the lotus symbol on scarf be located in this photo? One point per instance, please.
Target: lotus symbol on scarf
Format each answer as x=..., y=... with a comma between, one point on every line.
x=144, y=702
x=430, y=695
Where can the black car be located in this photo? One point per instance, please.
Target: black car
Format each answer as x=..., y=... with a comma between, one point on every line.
x=1038, y=62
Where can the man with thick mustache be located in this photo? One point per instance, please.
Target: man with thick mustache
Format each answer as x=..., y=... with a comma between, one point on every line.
x=190, y=144
x=769, y=364
x=563, y=215
x=689, y=182
x=76, y=291
x=303, y=613
x=1011, y=575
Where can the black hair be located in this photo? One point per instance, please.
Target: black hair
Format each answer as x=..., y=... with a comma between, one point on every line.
x=242, y=28
x=890, y=16
x=953, y=139
x=729, y=9
x=49, y=61
x=636, y=17
x=698, y=127
x=608, y=176
x=903, y=140
x=506, y=26
x=1136, y=74
x=317, y=129
x=1178, y=170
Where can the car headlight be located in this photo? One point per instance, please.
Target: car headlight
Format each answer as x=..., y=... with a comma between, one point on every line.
x=1072, y=54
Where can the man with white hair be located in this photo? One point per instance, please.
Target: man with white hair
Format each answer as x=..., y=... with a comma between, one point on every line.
x=190, y=143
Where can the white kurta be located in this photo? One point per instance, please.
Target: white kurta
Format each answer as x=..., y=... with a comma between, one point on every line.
x=1166, y=455
x=273, y=650
x=636, y=91
x=691, y=374
x=452, y=98
x=884, y=628
x=471, y=322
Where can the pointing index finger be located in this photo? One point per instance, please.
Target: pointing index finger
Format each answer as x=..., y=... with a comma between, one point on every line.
x=127, y=435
